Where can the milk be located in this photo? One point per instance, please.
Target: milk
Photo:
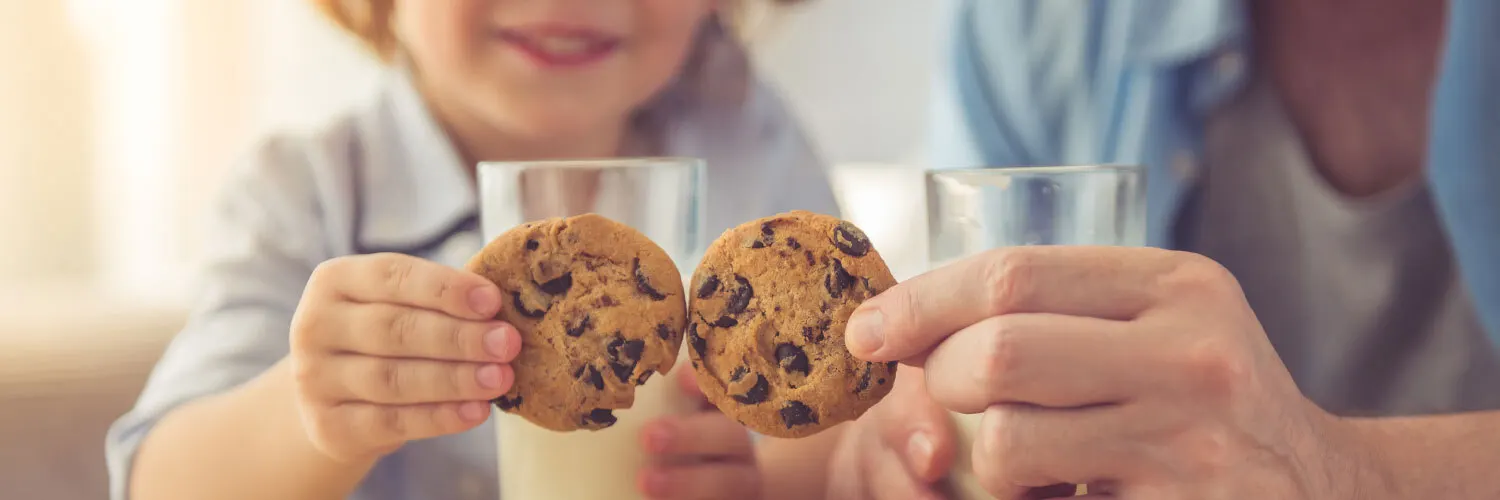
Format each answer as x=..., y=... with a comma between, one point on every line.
x=540, y=464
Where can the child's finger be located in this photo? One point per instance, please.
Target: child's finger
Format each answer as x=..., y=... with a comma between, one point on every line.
x=706, y=435
x=698, y=481
x=687, y=380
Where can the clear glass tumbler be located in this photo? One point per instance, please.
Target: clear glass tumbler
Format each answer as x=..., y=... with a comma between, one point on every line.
x=973, y=210
x=662, y=198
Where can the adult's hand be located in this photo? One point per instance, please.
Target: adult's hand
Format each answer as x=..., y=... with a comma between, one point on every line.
x=1140, y=371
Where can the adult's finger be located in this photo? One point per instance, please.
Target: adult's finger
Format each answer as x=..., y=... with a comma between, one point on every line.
x=1048, y=360
x=352, y=377
x=410, y=281
x=706, y=435
x=912, y=317
x=701, y=481
x=1022, y=448
x=407, y=332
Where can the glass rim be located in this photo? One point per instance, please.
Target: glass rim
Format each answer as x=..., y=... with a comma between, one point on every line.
x=1042, y=169
x=596, y=163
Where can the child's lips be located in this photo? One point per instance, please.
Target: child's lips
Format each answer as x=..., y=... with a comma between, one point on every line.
x=553, y=46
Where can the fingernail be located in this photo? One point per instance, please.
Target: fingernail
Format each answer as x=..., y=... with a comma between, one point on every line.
x=488, y=376
x=495, y=343
x=484, y=300
x=472, y=410
x=866, y=330
x=919, y=452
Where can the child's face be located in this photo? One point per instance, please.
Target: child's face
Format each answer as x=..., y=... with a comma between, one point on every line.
x=547, y=68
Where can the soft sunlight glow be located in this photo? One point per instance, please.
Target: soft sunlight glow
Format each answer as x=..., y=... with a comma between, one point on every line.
x=134, y=45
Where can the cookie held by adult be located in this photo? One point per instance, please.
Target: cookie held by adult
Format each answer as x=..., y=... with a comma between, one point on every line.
x=766, y=316
x=600, y=308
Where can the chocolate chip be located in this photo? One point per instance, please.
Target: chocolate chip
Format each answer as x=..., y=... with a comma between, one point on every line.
x=794, y=413
x=559, y=285
x=623, y=356
x=532, y=244
x=838, y=280
x=591, y=375
x=767, y=236
x=850, y=240
x=643, y=284
x=621, y=350
x=664, y=331
x=892, y=366
x=792, y=242
x=725, y=322
x=521, y=307
x=599, y=417
x=739, y=373
x=622, y=372
x=757, y=393
x=864, y=380
x=739, y=299
x=578, y=329
x=700, y=344
x=647, y=376
x=880, y=381
x=810, y=260
x=792, y=359
x=506, y=404
x=709, y=286
x=605, y=301
x=818, y=332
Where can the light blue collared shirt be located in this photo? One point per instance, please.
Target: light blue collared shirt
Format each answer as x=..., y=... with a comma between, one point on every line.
x=1133, y=81
x=386, y=179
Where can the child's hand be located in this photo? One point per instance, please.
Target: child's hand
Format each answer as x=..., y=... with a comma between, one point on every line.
x=390, y=348
x=702, y=456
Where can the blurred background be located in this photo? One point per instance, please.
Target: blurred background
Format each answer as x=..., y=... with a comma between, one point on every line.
x=118, y=118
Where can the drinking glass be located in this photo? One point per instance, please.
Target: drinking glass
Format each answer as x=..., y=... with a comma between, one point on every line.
x=660, y=197
x=973, y=210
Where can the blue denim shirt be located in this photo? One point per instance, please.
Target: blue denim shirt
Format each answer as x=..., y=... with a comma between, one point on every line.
x=1133, y=81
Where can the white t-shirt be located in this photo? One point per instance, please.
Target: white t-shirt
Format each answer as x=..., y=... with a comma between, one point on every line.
x=386, y=179
x=1360, y=296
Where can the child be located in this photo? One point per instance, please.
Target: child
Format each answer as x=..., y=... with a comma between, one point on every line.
x=337, y=351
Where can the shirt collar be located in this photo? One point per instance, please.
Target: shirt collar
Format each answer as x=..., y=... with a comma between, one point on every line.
x=413, y=190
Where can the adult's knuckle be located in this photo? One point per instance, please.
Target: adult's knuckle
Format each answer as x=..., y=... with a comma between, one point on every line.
x=999, y=354
x=1215, y=368
x=1202, y=451
x=1007, y=277
x=1199, y=276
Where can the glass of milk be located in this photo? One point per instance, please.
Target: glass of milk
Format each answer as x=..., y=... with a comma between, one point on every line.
x=660, y=197
x=973, y=210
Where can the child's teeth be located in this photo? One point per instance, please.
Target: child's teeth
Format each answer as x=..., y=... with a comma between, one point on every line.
x=564, y=45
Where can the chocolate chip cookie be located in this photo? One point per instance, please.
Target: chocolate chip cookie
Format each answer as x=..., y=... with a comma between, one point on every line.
x=766, y=323
x=600, y=308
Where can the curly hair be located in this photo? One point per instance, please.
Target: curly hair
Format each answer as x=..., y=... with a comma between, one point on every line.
x=370, y=20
